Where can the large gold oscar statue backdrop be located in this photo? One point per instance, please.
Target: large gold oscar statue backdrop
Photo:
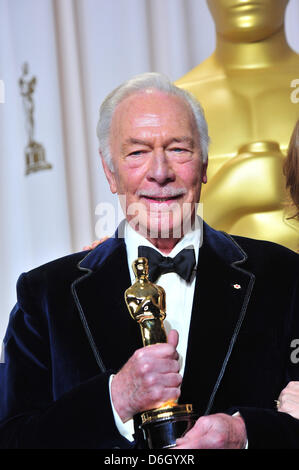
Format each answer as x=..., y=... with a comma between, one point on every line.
x=245, y=90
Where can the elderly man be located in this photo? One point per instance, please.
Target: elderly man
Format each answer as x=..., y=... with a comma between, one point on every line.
x=75, y=371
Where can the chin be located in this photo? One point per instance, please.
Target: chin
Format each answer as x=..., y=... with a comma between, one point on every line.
x=163, y=226
x=163, y=229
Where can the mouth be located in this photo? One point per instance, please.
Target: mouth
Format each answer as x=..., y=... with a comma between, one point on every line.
x=159, y=199
x=161, y=203
x=166, y=196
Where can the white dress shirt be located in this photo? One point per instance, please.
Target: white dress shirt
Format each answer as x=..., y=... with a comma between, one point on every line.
x=179, y=300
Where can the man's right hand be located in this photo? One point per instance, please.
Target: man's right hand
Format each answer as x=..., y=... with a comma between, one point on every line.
x=94, y=244
x=148, y=379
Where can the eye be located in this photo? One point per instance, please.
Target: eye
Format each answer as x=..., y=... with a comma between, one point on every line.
x=178, y=150
x=136, y=153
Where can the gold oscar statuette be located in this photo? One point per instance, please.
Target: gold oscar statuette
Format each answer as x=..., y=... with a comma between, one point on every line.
x=245, y=87
x=159, y=427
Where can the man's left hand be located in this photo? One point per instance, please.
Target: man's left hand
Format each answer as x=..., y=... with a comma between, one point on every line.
x=218, y=431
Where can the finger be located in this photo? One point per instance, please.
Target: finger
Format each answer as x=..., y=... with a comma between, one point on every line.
x=166, y=366
x=151, y=365
x=173, y=338
x=292, y=387
x=166, y=395
x=158, y=350
x=187, y=444
x=190, y=438
x=171, y=380
x=292, y=396
x=159, y=380
x=286, y=397
x=181, y=442
x=198, y=444
x=290, y=407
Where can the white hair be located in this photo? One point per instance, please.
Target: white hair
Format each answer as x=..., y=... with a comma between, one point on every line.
x=139, y=83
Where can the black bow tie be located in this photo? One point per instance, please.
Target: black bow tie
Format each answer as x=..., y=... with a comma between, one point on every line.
x=182, y=264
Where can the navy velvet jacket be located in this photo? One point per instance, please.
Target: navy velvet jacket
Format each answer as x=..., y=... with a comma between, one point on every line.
x=71, y=329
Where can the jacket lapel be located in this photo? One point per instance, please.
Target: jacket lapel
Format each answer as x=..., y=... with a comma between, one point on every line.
x=99, y=296
x=222, y=293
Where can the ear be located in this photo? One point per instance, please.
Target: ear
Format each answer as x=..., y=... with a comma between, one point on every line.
x=204, y=177
x=109, y=175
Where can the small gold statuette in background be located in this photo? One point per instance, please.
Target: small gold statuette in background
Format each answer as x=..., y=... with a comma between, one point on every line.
x=146, y=303
x=34, y=151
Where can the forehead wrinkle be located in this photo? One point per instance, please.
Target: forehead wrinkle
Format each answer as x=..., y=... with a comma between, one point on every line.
x=135, y=120
x=148, y=119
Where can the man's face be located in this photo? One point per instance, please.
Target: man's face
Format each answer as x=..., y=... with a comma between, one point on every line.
x=157, y=161
x=248, y=20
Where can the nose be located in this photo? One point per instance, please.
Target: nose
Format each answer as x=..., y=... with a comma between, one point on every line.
x=160, y=170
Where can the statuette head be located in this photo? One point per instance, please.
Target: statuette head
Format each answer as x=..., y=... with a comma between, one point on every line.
x=140, y=267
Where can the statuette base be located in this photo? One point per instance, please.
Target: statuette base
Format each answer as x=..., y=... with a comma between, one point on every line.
x=161, y=427
x=35, y=158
